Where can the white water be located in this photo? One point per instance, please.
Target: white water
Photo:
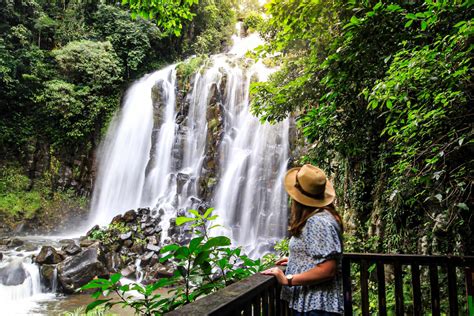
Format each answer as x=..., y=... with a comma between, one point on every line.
x=150, y=160
x=24, y=298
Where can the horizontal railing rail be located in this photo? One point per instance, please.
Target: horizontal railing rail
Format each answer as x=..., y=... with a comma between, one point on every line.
x=260, y=294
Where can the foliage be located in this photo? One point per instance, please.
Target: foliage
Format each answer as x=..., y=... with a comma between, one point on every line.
x=187, y=68
x=168, y=14
x=204, y=265
x=381, y=92
x=211, y=28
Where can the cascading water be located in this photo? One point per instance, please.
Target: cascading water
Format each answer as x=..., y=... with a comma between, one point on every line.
x=20, y=283
x=170, y=150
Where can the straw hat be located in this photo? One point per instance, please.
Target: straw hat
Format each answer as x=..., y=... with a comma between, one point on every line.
x=309, y=186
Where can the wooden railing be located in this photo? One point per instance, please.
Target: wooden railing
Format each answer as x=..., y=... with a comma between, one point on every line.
x=410, y=266
x=260, y=294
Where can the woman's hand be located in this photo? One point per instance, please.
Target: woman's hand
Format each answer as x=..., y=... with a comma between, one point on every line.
x=278, y=273
x=282, y=262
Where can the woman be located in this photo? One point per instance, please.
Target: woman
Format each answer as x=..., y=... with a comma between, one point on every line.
x=313, y=283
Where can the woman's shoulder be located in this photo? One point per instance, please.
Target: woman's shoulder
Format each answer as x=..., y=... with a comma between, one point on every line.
x=323, y=219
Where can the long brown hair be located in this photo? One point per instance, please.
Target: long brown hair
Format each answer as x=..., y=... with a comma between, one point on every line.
x=300, y=214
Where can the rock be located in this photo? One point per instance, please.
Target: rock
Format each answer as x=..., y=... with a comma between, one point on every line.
x=145, y=259
x=13, y=274
x=117, y=219
x=126, y=236
x=48, y=255
x=128, y=243
x=48, y=276
x=113, y=261
x=1, y=256
x=128, y=271
x=130, y=216
x=71, y=249
x=87, y=243
x=96, y=227
x=152, y=247
x=138, y=248
x=154, y=259
x=27, y=247
x=153, y=240
x=15, y=242
x=78, y=270
x=162, y=271
x=67, y=241
x=149, y=231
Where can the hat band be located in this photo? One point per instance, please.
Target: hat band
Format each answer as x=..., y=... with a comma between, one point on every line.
x=318, y=196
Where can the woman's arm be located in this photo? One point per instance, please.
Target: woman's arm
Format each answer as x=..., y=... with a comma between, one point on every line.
x=322, y=272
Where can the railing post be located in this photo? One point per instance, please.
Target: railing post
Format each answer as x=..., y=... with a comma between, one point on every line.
x=415, y=282
x=399, y=304
x=347, y=286
x=381, y=289
x=364, y=287
x=434, y=286
x=452, y=289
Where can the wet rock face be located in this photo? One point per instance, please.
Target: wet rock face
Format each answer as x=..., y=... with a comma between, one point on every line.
x=78, y=270
x=71, y=249
x=48, y=255
x=48, y=275
x=13, y=274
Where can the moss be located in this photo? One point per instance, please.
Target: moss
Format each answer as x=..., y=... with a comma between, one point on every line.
x=187, y=68
x=19, y=201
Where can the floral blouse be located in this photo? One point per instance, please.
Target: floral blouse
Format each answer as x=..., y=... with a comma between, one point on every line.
x=319, y=241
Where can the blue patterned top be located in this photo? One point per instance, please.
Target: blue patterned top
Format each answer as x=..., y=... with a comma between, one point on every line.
x=319, y=241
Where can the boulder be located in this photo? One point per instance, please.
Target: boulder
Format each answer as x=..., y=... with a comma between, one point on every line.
x=129, y=216
x=145, y=259
x=78, y=270
x=28, y=247
x=117, y=219
x=162, y=271
x=113, y=261
x=152, y=247
x=87, y=243
x=13, y=274
x=128, y=271
x=1, y=256
x=138, y=248
x=126, y=235
x=71, y=249
x=48, y=255
x=96, y=227
x=48, y=276
x=128, y=243
x=15, y=242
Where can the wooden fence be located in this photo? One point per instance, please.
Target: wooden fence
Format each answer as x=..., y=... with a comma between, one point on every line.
x=260, y=294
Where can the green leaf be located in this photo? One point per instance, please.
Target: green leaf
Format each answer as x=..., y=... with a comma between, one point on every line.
x=208, y=212
x=409, y=23
x=182, y=219
x=411, y=16
x=114, y=278
x=377, y=6
x=218, y=241
x=94, y=304
x=463, y=206
x=195, y=213
x=167, y=248
x=355, y=20
x=194, y=243
x=424, y=25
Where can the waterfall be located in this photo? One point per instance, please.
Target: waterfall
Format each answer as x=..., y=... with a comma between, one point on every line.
x=171, y=148
x=20, y=284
